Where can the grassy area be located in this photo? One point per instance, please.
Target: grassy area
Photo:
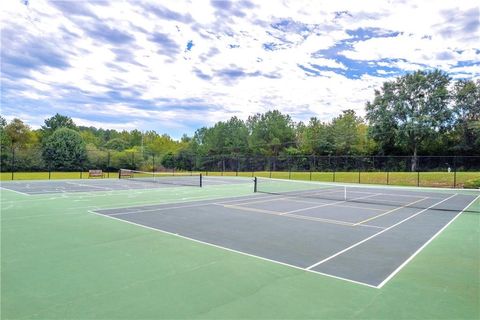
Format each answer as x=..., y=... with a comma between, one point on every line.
x=426, y=179
x=58, y=261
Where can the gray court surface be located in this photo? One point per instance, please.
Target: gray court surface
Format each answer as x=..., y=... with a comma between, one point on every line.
x=98, y=185
x=362, y=242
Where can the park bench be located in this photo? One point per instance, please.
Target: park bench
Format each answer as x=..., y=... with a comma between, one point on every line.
x=125, y=174
x=95, y=173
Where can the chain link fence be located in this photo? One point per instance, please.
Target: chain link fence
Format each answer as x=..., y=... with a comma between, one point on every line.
x=432, y=171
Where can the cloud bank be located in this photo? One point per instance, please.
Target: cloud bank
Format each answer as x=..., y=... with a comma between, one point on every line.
x=141, y=64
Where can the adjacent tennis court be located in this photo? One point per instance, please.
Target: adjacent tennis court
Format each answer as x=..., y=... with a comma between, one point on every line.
x=343, y=236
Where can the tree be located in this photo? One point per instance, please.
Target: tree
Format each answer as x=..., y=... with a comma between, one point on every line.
x=56, y=122
x=345, y=133
x=410, y=110
x=270, y=132
x=466, y=108
x=316, y=137
x=116, y=144
x=65, y=149
x=18, y=133
x=168, y=160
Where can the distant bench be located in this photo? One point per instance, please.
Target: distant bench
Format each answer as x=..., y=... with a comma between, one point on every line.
x=95, y=173
x=125, y=173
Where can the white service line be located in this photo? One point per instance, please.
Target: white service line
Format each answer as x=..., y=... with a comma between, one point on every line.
x=331, y=204
x=424, y=245
x=376, y=234
x=390, y=211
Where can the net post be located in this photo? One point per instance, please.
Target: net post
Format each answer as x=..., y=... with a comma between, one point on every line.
x=201, y=180
x=255, y=184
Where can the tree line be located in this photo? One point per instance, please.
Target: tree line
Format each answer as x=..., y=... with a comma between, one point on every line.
x=424, y=112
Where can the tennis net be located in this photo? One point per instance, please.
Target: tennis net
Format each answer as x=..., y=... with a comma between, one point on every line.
x=179, y=178
x=440, y=199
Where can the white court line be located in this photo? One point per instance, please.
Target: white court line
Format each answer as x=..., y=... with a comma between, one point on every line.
x=213, y=201
x=24, y=194
x=390, y=211
x=298, y=216
x=337, y=205
x=87, y=185
x=235, y=251
x=330, y=204
x=376, y=234
x=424, y=245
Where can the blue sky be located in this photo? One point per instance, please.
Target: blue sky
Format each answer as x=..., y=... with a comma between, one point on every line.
x=174, y=66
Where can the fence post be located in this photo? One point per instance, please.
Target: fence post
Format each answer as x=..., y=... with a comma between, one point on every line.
x=108, y=164
x=454, y=172
x=238, y=165
x=271, y=166
x=289, y=168
x=253, y=169
x=418, y=178
x=334, y=167
x=13, y=162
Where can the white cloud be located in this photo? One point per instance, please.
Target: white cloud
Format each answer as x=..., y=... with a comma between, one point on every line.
x=143, y=79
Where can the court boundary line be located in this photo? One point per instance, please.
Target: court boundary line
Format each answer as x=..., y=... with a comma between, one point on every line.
x=377, y=234
x=19, y=192
x=234, y=251
x=399, y=268
x=178, y=207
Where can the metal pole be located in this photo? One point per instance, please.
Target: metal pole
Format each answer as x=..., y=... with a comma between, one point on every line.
x=108, y=164
x=13, y=162
x=454, y=172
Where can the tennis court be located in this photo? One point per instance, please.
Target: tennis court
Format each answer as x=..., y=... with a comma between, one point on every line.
x=141, y=181
x=348, y=238
x=364, y=238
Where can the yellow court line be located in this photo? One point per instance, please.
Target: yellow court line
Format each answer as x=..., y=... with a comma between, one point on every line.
x=390, y=211
x=330, y=204
x=336, y=205
x=277, y=213
x=296, y=216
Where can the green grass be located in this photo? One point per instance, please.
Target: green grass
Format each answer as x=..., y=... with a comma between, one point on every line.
x=427, y=179
x=58, y=261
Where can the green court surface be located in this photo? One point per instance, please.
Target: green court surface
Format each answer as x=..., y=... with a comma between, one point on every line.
x=59, y=261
